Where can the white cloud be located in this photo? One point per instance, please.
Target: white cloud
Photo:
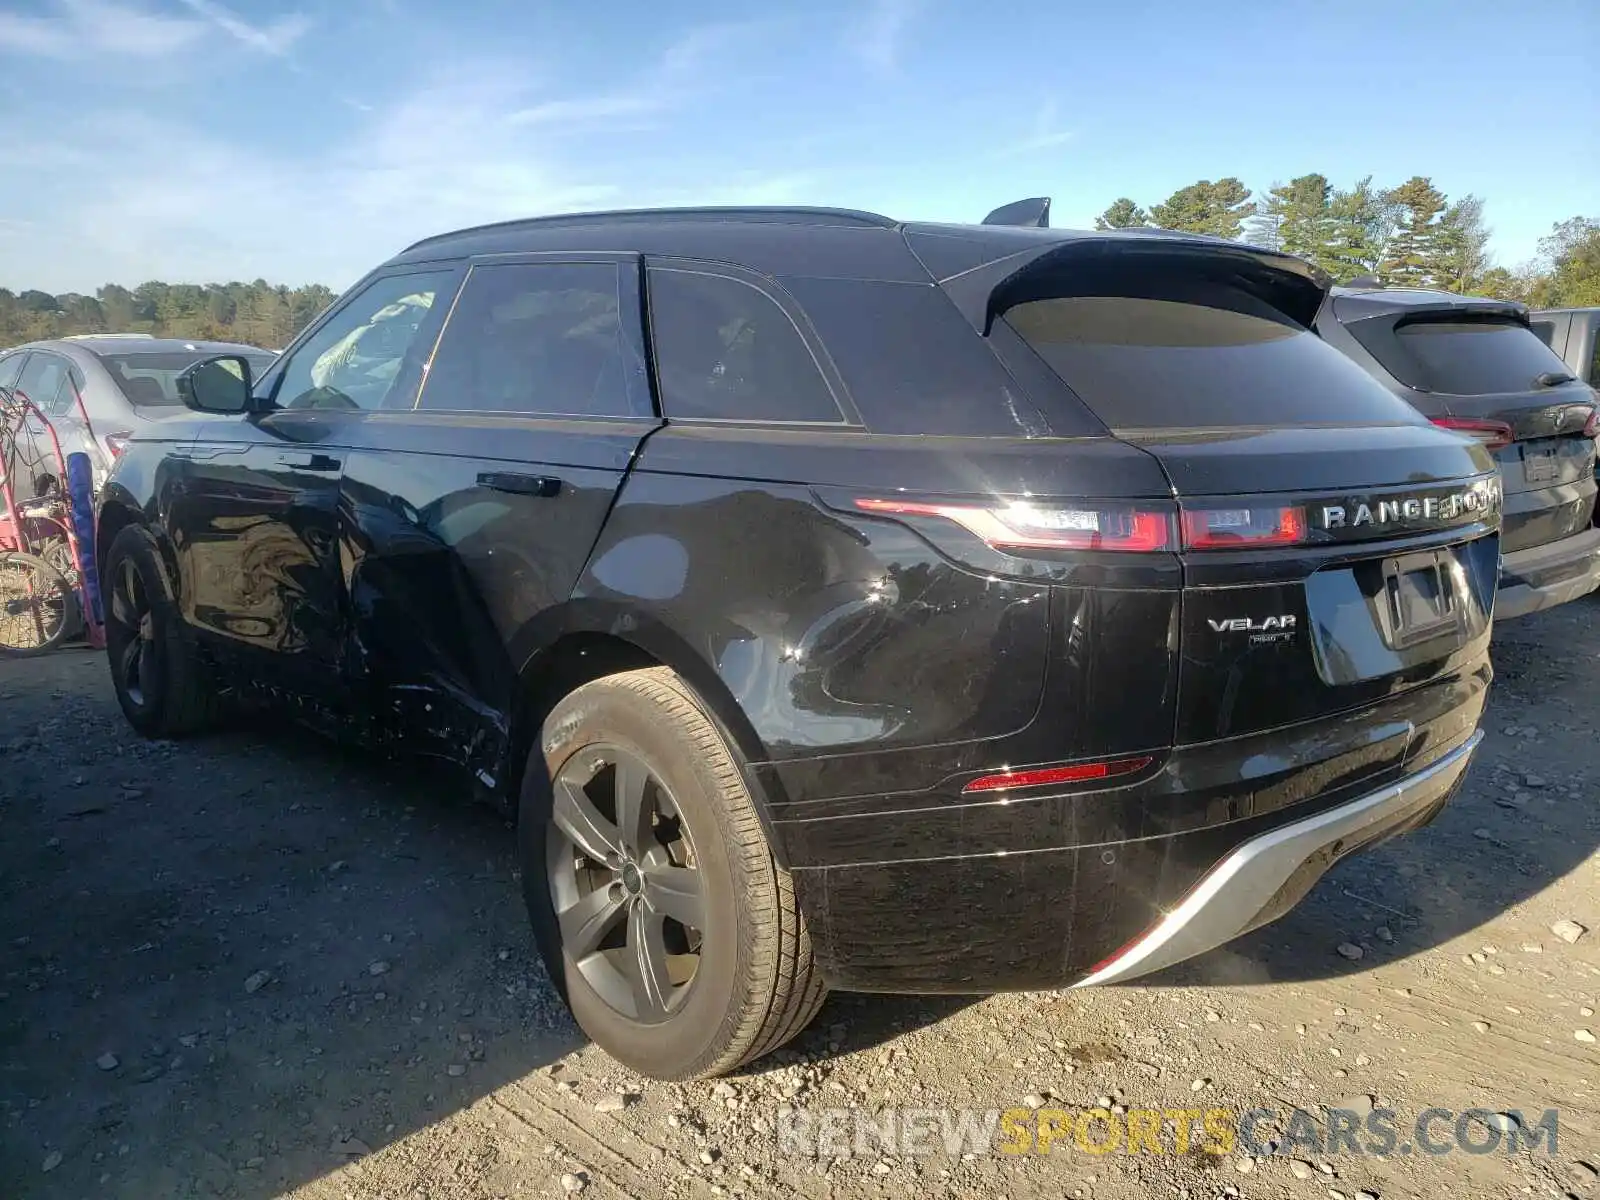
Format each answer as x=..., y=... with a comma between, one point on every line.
x=83, y=28
x=1045, y=133
x=878, y=35
x=473, y=144
x=276, y=38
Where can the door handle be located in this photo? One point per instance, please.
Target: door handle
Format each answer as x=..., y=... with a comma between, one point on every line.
x=309, y=462
x=522, y=485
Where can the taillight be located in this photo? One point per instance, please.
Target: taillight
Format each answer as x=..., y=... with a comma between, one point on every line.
x=1495, y=435
x=1041, y=777
x=116, y=442
x=1591, y=427
x=1024, y=526
x=1224, y=528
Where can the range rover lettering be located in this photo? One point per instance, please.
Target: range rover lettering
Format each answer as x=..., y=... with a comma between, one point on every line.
x=819, y=591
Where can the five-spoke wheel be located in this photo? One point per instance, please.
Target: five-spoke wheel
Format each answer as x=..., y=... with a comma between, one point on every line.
x=624, y=882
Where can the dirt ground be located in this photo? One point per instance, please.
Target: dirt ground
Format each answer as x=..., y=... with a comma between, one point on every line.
x=257, y=965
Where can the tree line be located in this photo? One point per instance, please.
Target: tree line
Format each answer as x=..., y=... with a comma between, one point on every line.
x=1409, y=235
x=258, y=314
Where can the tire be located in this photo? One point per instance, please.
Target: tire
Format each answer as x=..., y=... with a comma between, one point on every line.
x=161, y=684
x=37, y=605
x=727, y=991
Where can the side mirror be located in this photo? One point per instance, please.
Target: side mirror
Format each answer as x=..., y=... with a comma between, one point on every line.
x=217, y=385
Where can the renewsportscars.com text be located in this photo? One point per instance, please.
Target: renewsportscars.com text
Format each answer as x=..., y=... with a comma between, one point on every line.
x=921, y=1132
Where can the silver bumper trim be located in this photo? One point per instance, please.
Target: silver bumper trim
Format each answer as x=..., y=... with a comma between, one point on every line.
x=1234, y=894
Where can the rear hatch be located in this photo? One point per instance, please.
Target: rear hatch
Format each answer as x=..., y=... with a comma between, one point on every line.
x=1336, y=548
x=1477, y=367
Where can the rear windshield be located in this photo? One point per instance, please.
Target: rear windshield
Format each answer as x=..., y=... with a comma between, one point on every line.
x=1461, y=358
x=150, y=379
x=1145, y=363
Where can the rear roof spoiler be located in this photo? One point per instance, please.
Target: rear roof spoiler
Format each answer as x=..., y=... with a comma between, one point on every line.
x=1033, y=212
x=1291, y=285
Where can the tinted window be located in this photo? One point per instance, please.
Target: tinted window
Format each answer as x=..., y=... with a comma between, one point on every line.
x=41, y=379
x=725, y=350
x=354, y=359
x=1545, y=331
x=66, y=401
x=913, y=364
x=1462, y=358
x=149, y=379
x=1142, y=363
x=526, y=338
x=10, y=368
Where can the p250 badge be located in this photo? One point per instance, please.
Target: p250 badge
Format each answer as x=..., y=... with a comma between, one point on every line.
x=1264, y=629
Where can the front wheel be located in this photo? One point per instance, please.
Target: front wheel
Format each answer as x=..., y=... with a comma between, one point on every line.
x=162, y=686
x=655, y=900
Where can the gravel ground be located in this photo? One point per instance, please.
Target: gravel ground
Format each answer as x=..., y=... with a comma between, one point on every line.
x=257, y=965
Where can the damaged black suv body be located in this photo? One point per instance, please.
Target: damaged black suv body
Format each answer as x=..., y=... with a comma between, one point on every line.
x=837, y=602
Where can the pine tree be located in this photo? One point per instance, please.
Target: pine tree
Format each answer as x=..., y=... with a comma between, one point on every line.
x=1362, y=222
x=1218, y=209
x=1412, y=258
x=1459, y=256
x=1265, y=229
x=1123, y=214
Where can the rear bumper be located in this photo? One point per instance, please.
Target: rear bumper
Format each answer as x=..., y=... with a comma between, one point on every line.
x=1542, y=577
x=1269, y=874
x=1035, y=893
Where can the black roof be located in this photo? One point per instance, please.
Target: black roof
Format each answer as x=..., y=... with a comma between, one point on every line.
x=1355, y=303
x=826, y=242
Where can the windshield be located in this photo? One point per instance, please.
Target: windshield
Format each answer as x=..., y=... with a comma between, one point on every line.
x=149, y=378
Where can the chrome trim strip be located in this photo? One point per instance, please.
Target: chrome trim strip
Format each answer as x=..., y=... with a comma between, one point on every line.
x=1226, y=902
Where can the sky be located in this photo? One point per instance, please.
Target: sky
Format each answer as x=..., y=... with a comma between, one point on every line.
x=203, y=140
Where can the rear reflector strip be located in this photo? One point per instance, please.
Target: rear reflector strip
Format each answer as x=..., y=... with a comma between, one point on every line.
x=1043, y=776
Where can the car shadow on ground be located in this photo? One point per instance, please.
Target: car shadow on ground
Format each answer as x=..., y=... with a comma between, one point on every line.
x=213, y=942
x=1498, y=843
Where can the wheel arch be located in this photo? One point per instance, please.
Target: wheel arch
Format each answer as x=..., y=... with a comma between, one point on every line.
x=117, y=510
x=597, y=639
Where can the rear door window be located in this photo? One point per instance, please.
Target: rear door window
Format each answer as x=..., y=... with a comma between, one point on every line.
x=41, y=379
x=1221, y=360
x=540, y=338
x=725, y=350
x=1461, y=358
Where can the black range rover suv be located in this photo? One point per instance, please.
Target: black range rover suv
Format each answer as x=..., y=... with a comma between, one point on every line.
x=838, y=602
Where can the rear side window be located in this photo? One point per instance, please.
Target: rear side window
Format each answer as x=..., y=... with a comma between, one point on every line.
x=725, y=350
x=914, y=365
x=41, y=380
x=538, y=338
x=1146, y=363
x=10, y=368
x=149, y=378
x=1545, y=331
x=1460, y=358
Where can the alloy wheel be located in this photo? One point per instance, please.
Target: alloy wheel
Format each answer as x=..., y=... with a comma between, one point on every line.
x=131, y=633
x=625, y=883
